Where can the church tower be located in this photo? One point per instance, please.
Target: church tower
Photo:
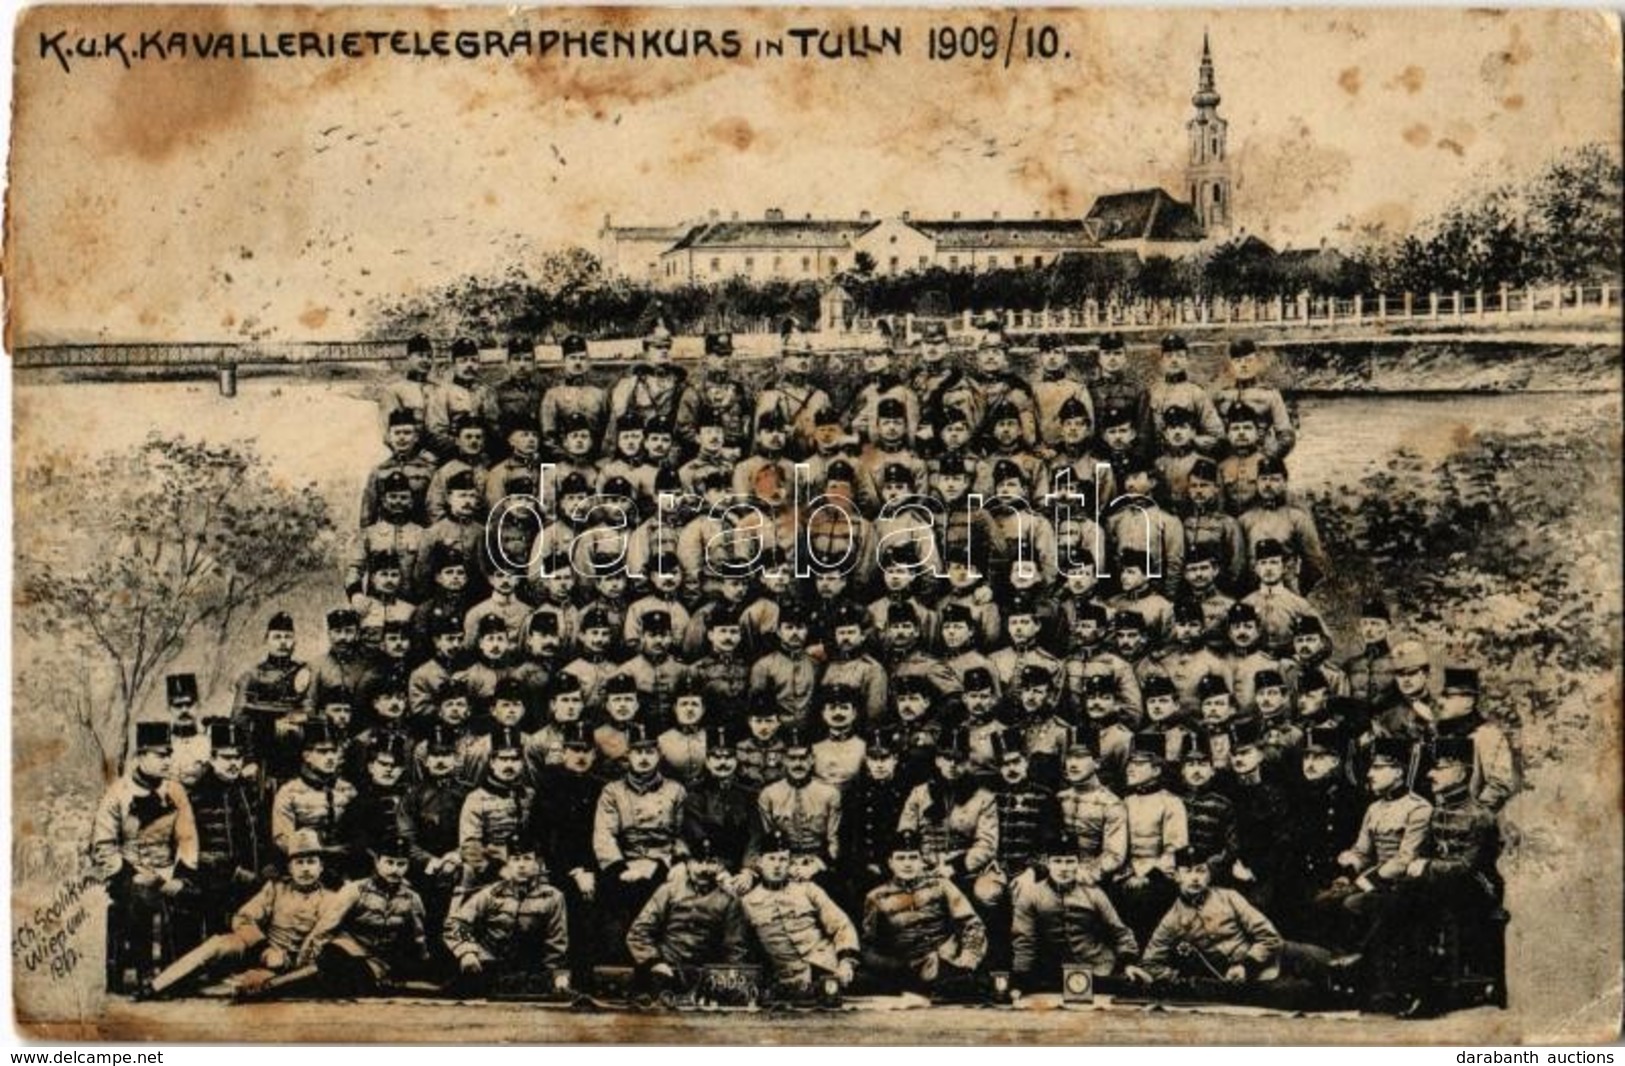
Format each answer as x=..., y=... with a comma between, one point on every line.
x=1207, y=175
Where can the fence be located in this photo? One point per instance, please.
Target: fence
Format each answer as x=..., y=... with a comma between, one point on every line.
x=1490, y=307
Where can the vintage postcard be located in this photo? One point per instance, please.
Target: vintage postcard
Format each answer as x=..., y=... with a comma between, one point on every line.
x=845, y=524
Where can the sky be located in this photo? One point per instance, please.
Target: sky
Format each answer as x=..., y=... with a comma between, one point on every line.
x=286, y=199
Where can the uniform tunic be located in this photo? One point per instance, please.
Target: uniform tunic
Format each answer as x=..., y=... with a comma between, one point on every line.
x=1222, y=926
x=519, y=927
x=282, y=916
x=1156, y=829
x=838, y=762
x=1076, y=926
x=1100, y=820
x=908, y=922
x=798, y=928
x=638, y=820
x=682, y=925
x=384, y=923
x=309, y=802
x=809, y=815
x=1393, y=834
x=958, y=826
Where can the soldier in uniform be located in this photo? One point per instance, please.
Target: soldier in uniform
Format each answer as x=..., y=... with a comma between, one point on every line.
x=1371, y=670
x=1177, y=390
x=345, y=664
x=1157, y=830
x=456, y=398
x=375, y=813
x=716, y=389
x=409, y=392
x=804, y=937
x=721, y=808
x=795, y=397
x=1210, y=813
x=470, y=457
x=958, y=821
x=409, y=459
x=495, y=814
x=637, y=834
x=1273, y=518
x=1263, y=811
x=1493, y=776
x=1327, y=811
x=573, y=395
x=396, y=530
x=652, y=388
x=267, y=932
x=318, y=797
x=920, y=933
x=804, y=809
x=514, y=928
x=1245, y=390
x=144, y=848
x=691, y=921
x=269, y=699
x=1211, y=535
x=230, y=818
x=1062, y=918
x=563, y=824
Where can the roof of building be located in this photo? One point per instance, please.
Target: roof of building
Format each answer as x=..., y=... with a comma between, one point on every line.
x=760, y=233
x=645, y=233
x=1144, y=214
x=1309, y=255
x=1057, y=233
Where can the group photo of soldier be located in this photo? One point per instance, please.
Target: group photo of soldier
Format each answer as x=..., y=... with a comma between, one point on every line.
x=950, y=668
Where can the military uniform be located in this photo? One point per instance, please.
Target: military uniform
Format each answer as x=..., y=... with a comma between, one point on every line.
x=801, y=932
x=511, y=928
x=685, y=926
x=908, y=924
x=1076, y=926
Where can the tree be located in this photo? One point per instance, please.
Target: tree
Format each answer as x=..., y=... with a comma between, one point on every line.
x=1575, y=218
x=147, y=550
x=863, y=263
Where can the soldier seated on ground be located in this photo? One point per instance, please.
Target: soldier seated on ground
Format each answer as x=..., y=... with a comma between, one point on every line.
x=805, y=939
x=691, y=921
x=268, y=931
x=514, y=929
x=1059, y=919
x=920, y=933
x=1213, y=934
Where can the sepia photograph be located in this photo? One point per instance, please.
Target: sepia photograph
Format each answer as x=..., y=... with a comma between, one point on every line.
x=774, y=525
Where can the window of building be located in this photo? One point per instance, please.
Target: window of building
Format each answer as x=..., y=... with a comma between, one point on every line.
x=806, y=265
x=992, y=262
x=1019, y=260
x=834, y=264
x=716, y=266
x=750, y=265
x=953, y=262
x=1038, y=260
x=925, y=261
x=778, y=264
x=893, y=264
x=1216, y=195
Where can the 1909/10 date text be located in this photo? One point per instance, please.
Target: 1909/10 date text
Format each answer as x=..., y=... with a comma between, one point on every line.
x=989, y=42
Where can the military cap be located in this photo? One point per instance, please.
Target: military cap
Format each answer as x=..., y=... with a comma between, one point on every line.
x=1072, y=408
x=180, y=688
x=506, y=738
x=573, y=344
x=576, y=735
x=1019, y=604
x=920, y=685
x=1007, y=742
x=657, y=337
x=1187, y=857
x=1083, y=739
x=1058, y=839
x=418, y=344
x=402, y=416
x=977, y=679
x=1246, y=733
x=837, y=694
x=1453, y=749
x=724, y=615
x=1375, y=609
x=1094, y=612
x=1324, y=737
x=466, y=420
x=392, y=846
x=1460, y=680
x=395, y=481
x=1186, y=611
x=796, y=738
x=891, y=407
x=383, y=684
x=896, y=474
x=304, y=842
x=1173, y=342
x=1049, y=342
x=827, y=416
x=1157, y=684
x=952, y=414
x=657, y=424
x=462, y=481
x=1243, y=346
x=1312, y=678
x=905, y=840
x=573, y=422
x=445, y=623
x=901, y=614
x=761, y=705
x=1004, y=412
x=774, y=842
x=718, y=737
x=1410, y=655
x=1307, y=625
x=1395, y=750
x=791, y=614
x=318, y=732
x=620, y=685
x=883, y=741
x=1128, y=620
x=956, y=612
x=667, y=479
x=1148, y=745
x=1210, y=685
x=1272, y=466
x=720, y=343
x=1268, y=678
x=934, y=331
x=281, y=622
x=342, y=618
x=441, y=738
x=509, y=688
x=444, y=556
x=1035, y=676
x=454, y=688
x=383, y=560
x=953, y=744
x=575, y=483
x=519, y=423
x=1204, y=469
x=1101, y=684
x=390, y=743
x=1241, y=613
x=701, y=848
x=563, y=683
x=1176, y=415
x=772, y=419
x=1195, y=746
x=1117, y=415
x=152, y=736
x=1111, y=342
x=224, y=733
x=956, y=466
x=689, y=685
x=1241, y=412
x=1008, y=470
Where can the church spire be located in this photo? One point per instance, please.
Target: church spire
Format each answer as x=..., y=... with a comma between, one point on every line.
x=1207, y=174
x=1207, y=94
